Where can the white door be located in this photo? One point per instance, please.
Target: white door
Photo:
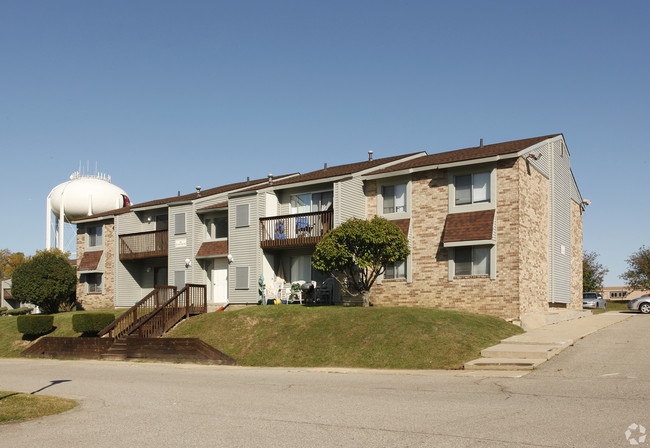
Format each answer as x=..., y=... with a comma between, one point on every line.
x=220, y=281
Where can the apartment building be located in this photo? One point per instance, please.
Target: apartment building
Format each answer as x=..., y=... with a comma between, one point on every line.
x=495, y=229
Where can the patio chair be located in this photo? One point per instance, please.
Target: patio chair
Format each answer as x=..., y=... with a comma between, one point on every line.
x=279, y=231
x=302, y=226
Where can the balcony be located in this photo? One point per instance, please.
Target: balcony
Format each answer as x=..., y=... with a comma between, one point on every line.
x=138, y=246
x=291, y=231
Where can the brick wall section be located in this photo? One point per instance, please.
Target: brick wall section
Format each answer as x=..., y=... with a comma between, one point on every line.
x=534, y=238
x=430, y=286
x=576, y=257
x=105, y=299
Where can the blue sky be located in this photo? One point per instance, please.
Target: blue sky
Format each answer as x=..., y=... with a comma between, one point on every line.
x=166, y=95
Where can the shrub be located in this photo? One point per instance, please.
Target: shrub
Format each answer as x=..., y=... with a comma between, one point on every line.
x=34, y=325
x=20, y=311
x=91, y=323
x=46, y=280
x=3, y=310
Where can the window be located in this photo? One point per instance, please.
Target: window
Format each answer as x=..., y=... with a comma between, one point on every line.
x=179, y=223
x=301, y=268
x=94, y=283
x=311, y=202
x=217, y=227
x=472, y=188
x=395, y=270
x=241, y=277
x=241, y=215
x=95, y=238
x=394, y=198
x=161, y=222
x=472, y=260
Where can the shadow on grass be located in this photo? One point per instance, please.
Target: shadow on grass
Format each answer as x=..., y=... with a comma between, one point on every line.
x=33, y=337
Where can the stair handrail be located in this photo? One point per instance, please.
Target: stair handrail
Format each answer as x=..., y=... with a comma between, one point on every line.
x=165, y=309
x=131, y=315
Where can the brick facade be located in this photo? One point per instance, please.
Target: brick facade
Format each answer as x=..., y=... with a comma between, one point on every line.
x=576, y=257
x=522, y=235
x=105, y=299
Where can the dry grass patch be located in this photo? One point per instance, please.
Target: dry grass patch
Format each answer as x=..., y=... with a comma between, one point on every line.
x=16, y=406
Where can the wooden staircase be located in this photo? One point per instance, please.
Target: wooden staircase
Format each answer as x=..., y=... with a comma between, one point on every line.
x=153, y=316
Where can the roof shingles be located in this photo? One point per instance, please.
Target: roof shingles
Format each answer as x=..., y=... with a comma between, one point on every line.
x=470, y=226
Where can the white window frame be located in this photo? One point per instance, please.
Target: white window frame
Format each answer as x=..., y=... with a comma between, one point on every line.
x=401, y=266
x=211, y=228
x=473, y=206
x=96, y=288
x=89, y=233
x=407, y=197
x=311, y=194
x=492, y=259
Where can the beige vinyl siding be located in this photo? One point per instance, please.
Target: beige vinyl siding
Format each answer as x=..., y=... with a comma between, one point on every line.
x=243, y=244
x=349, y=200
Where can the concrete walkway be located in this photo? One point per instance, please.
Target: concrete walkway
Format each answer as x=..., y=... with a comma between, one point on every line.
x=525, y=352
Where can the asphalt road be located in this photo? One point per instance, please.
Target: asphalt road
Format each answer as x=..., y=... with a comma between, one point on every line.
x=587, y=396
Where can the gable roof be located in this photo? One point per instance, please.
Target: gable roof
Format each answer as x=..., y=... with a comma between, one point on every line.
x=461, y=155
x=336, y=171
x=175, y=199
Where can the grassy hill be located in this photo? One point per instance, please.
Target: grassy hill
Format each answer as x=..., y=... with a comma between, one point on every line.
x=12, y=342
x=394, y=338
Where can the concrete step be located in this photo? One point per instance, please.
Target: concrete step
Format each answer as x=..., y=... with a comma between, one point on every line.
x=521, y=351
x=503, y=364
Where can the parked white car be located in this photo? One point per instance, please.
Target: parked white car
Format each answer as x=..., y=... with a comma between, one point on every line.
x=593, y=300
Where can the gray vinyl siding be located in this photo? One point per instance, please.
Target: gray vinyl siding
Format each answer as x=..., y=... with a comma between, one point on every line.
x=543, y=163
x=180, y=246
x=349, y=200
x=243, y=244
x=560, y=224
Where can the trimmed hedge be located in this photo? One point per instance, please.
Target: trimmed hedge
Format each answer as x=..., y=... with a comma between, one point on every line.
x=34, y=325
x=3, y=310
x=20, y=311
x=91, y=323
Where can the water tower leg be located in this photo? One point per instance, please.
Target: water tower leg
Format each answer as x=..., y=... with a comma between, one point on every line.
x=48, y=220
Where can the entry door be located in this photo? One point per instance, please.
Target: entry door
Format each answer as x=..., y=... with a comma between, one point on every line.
x=220, y=281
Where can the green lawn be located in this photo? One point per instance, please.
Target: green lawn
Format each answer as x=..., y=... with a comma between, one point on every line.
x=12, y=342
x=16, y=406
x=376, y=337
x=617, y=305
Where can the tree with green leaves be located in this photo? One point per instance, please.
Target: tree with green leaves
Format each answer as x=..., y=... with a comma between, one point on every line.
x=359, y=250
x=47, y=280
x=593, y=273
x=637, y=275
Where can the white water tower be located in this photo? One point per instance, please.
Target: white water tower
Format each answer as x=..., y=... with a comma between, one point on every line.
x=82, y=195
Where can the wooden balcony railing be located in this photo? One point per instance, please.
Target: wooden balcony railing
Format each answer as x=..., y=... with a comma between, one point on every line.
x=192, y=299
x=127, y=321
x=305, y=229
x=137, y=246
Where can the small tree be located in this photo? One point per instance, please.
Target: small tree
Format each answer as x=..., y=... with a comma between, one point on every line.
x=593, y=273
x=47, y=280
x=359, y=250
x=9, y=261
x=637, y=275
